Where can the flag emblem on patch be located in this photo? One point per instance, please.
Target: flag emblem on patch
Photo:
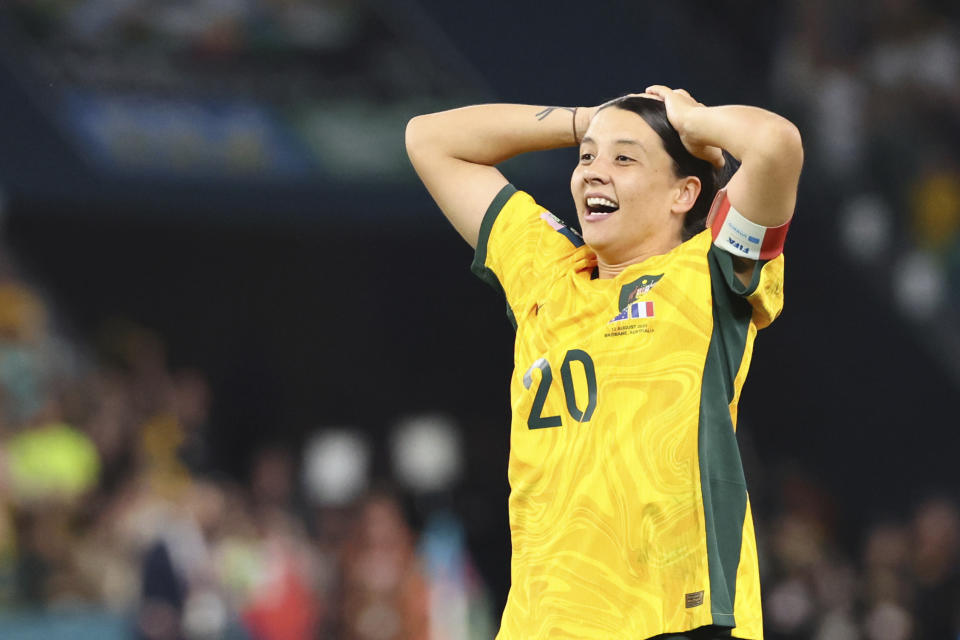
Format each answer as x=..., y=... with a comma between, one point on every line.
x=557, y=225
x=639, y=287
x=635, y=310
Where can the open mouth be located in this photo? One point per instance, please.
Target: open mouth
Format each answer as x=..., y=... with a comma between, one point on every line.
x=599, y=207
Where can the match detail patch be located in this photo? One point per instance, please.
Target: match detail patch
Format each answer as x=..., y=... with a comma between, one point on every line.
x=634, y=311
x=632, y=291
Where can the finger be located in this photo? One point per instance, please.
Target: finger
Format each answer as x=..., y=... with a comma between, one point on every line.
x=659, y=90
x=686, y=94
x=713, y=155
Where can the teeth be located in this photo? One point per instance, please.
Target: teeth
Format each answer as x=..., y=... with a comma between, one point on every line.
x=601, y=202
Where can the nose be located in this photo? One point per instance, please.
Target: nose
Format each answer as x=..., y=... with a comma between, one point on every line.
x=595, y=175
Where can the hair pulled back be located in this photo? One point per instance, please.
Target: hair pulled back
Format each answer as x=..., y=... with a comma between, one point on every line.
x=712, y=179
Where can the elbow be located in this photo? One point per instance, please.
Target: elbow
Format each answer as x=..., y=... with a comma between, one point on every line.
x=783, y=145
x=413, y=136
x=421, y=136
x=791, y=142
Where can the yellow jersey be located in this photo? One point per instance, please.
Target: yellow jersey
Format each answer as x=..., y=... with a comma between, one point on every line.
x=629, y=514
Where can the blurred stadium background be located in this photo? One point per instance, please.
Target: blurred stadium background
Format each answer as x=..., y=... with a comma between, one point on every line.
x=249, y=388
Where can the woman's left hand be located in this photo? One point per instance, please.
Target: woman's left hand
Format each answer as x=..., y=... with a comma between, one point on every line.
x=680, y=104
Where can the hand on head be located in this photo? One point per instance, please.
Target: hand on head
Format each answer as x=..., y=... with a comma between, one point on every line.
x=680, y=105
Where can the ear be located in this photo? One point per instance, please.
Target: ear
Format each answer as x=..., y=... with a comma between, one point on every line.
x=685, y=194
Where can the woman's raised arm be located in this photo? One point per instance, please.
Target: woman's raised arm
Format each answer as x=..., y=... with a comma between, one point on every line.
x=455, y=152
x=768, y=146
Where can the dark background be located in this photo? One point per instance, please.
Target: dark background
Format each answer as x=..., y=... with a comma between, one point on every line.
x=312, y=301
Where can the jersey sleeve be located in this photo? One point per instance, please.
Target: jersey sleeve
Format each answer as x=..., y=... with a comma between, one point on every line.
x=521, y=247
x=764, y=293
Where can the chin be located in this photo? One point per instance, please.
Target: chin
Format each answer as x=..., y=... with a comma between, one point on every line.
x=596, y=239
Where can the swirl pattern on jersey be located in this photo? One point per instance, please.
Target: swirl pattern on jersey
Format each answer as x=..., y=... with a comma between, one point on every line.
x=606, y=510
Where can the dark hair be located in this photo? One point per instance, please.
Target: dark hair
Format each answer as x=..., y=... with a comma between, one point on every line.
x=654, y=113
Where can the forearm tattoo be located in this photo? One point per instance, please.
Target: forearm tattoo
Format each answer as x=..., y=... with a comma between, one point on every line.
x=573, y=120
x=543, y=114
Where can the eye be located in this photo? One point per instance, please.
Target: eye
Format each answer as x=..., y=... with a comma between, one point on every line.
x=586, y=157
x=623, y=158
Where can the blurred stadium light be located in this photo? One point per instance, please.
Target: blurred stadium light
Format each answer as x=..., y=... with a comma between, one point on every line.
x=920, y=286
x=866, y=225
x=426, y=453
x=336, y=466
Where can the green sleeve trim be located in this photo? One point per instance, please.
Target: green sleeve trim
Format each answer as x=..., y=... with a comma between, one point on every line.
x=571, y=235
x=724, y=260
x=731, y=317
x=479, y=266
x=722, y=482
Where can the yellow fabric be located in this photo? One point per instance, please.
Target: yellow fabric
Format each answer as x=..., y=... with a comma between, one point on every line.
x=606, y=513
x=747, y=606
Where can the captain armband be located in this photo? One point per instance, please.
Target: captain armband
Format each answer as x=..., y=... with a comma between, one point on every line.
x=741, y=237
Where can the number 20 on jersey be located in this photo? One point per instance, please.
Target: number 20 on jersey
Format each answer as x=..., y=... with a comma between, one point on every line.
x=539, y=421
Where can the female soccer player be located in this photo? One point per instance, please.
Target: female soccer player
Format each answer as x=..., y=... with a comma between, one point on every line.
x=629, y=513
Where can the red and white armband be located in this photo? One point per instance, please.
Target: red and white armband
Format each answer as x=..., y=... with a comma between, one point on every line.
x=741, y=237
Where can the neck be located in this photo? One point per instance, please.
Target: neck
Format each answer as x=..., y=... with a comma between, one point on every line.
x=611, y=267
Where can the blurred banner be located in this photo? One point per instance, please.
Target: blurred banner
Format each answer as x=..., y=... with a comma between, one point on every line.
x=298, y=92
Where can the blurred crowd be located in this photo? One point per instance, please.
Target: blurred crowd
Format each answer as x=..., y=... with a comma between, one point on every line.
x=875, y=86
x=108, y=500
x=272, y=51
x=263, y=89
x=894, y=579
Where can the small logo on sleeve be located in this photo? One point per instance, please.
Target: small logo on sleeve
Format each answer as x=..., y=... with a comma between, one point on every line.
x=693, y=599
x=557, y=225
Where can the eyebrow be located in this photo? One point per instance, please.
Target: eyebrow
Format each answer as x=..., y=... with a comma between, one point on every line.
x=620, y=141
x=629, y=141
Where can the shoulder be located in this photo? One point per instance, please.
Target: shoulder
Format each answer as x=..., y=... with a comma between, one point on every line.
x=516, y=222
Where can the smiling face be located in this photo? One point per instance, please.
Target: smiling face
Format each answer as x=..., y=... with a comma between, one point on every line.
x=629, y=200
